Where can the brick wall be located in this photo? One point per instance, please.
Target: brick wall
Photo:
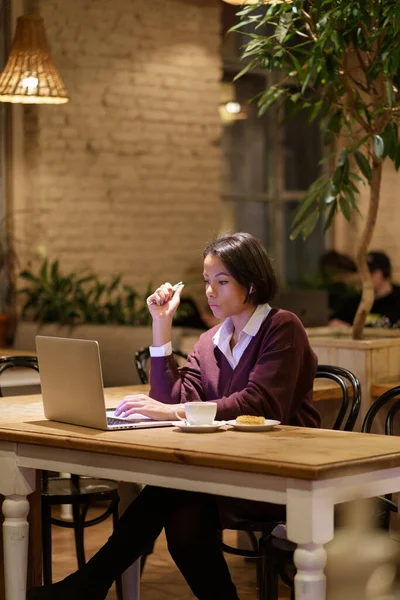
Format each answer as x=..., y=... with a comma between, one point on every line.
x=386, y=235
x=126, y=177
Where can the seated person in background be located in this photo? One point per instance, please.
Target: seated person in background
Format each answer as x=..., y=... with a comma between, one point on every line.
x=339, y=278
x=385, y=311
x=258, y=362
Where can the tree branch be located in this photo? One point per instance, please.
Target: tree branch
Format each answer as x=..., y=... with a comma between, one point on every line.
x=307, y=23
x=344, y=73
x=359, y=84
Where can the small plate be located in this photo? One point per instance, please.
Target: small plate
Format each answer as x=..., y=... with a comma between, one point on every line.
x=198, y=428
x=268, y=425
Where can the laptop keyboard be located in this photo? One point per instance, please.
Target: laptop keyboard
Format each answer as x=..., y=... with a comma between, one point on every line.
x=119, y=422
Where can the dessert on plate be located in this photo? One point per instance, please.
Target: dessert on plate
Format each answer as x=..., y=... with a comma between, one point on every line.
x=249, y=420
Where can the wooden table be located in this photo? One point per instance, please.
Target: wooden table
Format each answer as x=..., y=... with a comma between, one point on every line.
x=325, y=389
x=15, y=352
x=309, y=470
x=377, y=389
x=28, y=407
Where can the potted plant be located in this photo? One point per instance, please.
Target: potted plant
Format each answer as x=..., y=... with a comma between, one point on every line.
x=82, y=305
x=339, y=60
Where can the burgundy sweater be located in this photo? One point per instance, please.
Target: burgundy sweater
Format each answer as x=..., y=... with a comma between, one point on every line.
x=273, y=378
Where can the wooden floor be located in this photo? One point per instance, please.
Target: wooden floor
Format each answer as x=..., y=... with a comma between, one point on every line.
x=161, y=579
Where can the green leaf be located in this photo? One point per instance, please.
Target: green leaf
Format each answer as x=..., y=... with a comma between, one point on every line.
x=357, y=178
x=43, y=271
x=390, y=137
x=390, y=94
x=309, y=224
x=363, y=165
x=282, y=28
x=379, y=146
x=26, y=274
x=269, y=98
x=250, y=65
x=331, y=214
x=345, y=208
x=397, y=158
x=315, y=111
x=317, y=190
x=336, y=122
x=328, y=138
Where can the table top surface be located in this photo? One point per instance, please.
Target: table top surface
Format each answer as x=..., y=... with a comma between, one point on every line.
x=303, y=453
x=14, y=352
x=377, y=389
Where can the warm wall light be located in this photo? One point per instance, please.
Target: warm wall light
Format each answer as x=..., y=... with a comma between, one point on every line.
x=30, y=76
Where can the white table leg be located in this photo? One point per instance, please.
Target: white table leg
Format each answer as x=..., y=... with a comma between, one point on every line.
x=15, y=542
x=310, y=580
x=310, y=525
x=16, y=483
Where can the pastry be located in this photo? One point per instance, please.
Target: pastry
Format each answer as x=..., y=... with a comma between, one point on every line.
x=249, y=420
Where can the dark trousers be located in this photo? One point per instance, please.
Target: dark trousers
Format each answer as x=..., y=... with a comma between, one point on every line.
x=192, y=523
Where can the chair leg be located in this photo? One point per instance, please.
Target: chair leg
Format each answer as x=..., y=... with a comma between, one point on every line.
x=270, y=577
x=271, y=583
x=46, y=543
x=79, y=535
x=118, y=581
x=260, y=579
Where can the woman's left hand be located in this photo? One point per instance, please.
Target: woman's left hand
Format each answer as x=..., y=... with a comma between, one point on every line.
x=140, y=403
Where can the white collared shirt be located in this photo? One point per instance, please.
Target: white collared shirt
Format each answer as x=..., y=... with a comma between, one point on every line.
x=223, y=336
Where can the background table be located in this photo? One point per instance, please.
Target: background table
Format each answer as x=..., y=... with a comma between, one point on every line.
x=378, y=388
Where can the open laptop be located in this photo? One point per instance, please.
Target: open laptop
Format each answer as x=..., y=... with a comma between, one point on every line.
x=72, y=386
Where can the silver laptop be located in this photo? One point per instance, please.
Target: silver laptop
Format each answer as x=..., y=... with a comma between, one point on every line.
x=72, y=386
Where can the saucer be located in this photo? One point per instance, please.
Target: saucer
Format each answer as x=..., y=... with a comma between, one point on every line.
x=267, y=426
x=198, y=428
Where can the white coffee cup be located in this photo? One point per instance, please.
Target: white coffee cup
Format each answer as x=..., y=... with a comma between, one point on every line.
x=198, y=413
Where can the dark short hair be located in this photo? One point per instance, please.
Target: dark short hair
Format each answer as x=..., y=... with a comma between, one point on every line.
x=248, y=262
x=379, y=261
x=336, y=261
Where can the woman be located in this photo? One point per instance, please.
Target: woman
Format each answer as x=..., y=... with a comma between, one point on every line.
x=258, y=362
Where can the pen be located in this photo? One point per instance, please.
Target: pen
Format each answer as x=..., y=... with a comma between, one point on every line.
x=174, y=288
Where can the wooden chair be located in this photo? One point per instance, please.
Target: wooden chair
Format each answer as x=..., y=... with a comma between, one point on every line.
x=274, y=555
x=80, y=492
x=386, y=505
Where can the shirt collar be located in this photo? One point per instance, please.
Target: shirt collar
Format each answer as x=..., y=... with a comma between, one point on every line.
x=251, y=328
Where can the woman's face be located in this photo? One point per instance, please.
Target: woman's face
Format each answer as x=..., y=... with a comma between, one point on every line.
x=224, y=294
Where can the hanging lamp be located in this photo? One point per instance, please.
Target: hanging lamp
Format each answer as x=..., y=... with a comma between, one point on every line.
x=243, y=2
x=30, y=76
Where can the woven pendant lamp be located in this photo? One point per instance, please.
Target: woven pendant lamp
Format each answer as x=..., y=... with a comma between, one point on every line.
x=30, y=76
x=243, y=2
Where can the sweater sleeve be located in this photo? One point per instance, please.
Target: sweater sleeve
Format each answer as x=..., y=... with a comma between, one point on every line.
x=282, y=375
x=172, y=385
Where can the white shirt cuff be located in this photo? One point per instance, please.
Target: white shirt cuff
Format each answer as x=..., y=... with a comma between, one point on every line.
x=164, y=350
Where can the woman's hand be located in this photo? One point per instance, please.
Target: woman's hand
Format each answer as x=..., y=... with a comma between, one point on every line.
x=164, y=302
x=140, y=403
